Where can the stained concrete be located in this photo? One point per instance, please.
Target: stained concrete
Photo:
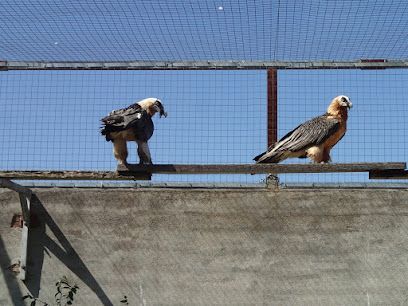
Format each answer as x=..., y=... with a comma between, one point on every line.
x=203, y=247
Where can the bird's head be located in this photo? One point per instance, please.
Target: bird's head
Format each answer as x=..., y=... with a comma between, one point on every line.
x=153, y=106
x=343, y=101
x=339, y=106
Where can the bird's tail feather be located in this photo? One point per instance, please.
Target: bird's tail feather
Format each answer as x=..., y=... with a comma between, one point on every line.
x=270, y=157
x=256, y=158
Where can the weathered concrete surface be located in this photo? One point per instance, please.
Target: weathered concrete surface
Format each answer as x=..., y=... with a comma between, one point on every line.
x=185, y=246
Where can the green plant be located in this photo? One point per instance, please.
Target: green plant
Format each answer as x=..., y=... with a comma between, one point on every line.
x=66, y=291
x=34, y=301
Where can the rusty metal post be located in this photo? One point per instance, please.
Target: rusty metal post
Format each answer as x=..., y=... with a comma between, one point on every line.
x=272, y=106
x=25, y=200
x=272, y=117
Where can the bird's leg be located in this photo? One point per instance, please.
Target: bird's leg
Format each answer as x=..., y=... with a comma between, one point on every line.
x=315, y=154
x=326, y=157
x=120, y=151
x=144, y=152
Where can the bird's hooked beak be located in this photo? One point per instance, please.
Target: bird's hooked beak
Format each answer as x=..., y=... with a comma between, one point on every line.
x=345, y=102
x=163, y=113
x=158, y=107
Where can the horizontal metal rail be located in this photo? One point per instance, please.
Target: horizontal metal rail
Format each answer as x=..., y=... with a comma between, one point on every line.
x=203, y=65
x=71, y=175
x=258, y=168
x=388, y=174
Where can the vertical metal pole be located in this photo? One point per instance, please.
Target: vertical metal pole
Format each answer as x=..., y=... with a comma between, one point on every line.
x=272, y=106
x=272, y=88
x=25, y=200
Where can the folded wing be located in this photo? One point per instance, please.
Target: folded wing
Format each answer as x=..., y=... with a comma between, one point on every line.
x=133, y=117
x=311, y=133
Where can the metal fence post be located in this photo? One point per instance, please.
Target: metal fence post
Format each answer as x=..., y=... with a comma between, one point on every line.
x=272, y=117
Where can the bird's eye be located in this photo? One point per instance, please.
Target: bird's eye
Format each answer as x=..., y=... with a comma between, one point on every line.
x=343, y=99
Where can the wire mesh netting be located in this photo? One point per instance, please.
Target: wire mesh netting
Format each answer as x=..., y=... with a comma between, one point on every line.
x=376, y=129
x=96, y=30
x=50, y=119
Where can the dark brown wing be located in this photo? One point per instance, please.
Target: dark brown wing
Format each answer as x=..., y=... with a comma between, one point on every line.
x=132, y=117
x=311, y=133
x=121, y=119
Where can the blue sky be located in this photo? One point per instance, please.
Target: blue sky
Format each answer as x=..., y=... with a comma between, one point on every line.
x=376, y=127
x=50, y=119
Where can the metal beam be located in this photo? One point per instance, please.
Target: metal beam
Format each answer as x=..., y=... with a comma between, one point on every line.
x=25, y=195
x=25, y=201
x=70, y=175
x=5, y=183
x=203, y=65
x=271, y=169
x=143, y=172
x=257, y=168
x=389, y=174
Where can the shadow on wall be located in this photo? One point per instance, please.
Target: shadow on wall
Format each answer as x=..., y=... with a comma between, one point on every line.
x=10, y=279
x=40, y=243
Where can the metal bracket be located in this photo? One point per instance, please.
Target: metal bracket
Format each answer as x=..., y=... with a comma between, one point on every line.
x=3, y=66
x=25, y=201
x=272, y=181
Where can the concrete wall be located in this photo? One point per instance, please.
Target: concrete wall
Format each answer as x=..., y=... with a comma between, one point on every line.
x=191, y=246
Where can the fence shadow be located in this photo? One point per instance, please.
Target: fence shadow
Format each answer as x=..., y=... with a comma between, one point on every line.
x=41, y=244
x=10, y=279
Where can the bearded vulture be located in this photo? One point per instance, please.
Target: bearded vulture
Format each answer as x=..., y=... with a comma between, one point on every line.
x=133, y=123
x=314, y=138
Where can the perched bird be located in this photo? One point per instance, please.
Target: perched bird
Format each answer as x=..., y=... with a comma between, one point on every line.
x=133, y=123
x=314, y=138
